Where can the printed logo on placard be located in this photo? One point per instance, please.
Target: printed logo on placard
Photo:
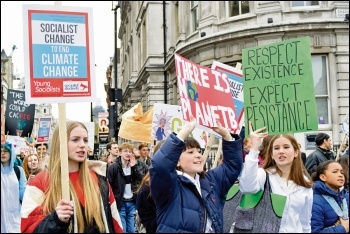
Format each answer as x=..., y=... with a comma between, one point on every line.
x=75, y=86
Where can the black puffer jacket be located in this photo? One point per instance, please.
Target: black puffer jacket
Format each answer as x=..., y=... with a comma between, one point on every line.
x=316, y=158
x=116, y=178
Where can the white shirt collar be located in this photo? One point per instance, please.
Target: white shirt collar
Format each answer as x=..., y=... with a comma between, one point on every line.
x=195, y=180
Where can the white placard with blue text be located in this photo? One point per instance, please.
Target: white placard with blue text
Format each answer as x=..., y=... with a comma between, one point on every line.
x=59, y=56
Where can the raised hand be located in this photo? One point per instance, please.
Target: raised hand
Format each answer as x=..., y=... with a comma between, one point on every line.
x=187, y=128
x=256, y=136
x=191, y=124
x=345, y=223
x=31, y=176
x=225, y=133
x=132, y=160
x=64, y=210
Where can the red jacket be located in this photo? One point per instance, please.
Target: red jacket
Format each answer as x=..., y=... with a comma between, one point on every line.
x=33, y=219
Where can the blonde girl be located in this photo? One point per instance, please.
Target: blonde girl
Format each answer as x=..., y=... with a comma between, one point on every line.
x=91, y=208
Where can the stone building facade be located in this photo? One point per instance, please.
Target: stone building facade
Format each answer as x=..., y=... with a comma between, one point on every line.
x=206, y=31
x=6, y=83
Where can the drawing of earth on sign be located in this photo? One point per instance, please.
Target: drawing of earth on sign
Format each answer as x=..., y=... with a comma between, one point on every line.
x=192, y=90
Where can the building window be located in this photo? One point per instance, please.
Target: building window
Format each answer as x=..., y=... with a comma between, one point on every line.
x=238, y=8
x=305, y=3
x=44, y=111
x=320, y=75
x=194, y=14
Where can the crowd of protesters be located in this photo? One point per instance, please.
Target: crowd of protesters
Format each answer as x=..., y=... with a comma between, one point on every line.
x=175, y=190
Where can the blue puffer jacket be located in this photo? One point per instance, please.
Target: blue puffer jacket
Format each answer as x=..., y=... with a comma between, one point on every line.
x=180, y=207
x=323, y=216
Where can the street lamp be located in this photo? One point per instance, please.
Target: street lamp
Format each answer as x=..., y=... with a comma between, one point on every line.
x=115, y=7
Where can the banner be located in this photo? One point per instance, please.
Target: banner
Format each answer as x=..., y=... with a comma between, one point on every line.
x=136, y=125
x=168, y=119
x=103, y=129
x=103, y=122
x=279, y=87
x=44, y=128
x=59, y=55
x=236, y=85
x=19, y=116
x=205, y=94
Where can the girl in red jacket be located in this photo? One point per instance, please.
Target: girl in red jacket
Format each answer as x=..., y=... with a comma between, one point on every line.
x=92, y=207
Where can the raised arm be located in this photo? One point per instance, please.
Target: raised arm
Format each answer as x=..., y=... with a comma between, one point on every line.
x=187, y=128
x=163, y=169
x=227, y=172
x=253, y=178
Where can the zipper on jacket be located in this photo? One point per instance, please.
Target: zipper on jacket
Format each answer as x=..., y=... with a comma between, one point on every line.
x=204, y=220
x=203, y=223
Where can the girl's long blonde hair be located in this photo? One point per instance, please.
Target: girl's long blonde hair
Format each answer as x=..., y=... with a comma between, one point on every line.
x=93, y=207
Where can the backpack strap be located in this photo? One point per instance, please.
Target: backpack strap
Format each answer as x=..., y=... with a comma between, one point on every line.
x=278, y=202
x=342, y=211
x=251, y=200
x=232, y=192
x=18, y=173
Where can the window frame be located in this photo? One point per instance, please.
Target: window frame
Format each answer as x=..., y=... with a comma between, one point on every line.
x=194, y=15
x=328, y=122
x=239, y=9
x=304, y=6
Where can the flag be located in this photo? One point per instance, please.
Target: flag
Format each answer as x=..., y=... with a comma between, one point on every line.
x=135, y=125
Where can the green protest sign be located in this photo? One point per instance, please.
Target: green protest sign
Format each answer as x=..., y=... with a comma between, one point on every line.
x=279, y=87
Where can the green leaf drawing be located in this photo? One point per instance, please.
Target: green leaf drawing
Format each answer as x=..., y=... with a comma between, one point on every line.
x=21, y=124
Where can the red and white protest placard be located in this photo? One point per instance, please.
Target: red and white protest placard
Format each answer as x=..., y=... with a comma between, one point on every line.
x=234, y=75
x=205, y=94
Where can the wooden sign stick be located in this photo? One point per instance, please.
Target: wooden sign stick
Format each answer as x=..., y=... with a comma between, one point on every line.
x=63, y=150
x=217, y=156
x=342, y=143
x=208, y=146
